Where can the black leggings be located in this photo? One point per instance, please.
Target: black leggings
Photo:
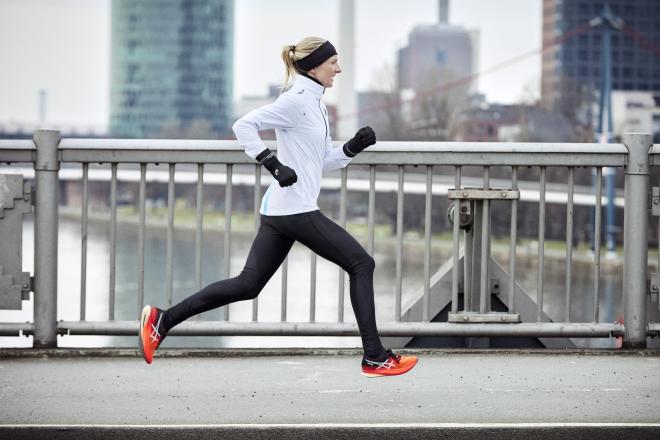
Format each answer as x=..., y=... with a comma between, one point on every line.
x=271, y=245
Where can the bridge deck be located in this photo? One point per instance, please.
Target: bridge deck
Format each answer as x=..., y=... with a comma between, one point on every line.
x=451, y=386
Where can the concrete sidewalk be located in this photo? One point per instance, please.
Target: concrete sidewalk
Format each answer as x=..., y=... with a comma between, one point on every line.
x=456, y=388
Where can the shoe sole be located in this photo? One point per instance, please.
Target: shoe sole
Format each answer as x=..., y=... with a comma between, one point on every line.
x=146, y=311
x=391, y=374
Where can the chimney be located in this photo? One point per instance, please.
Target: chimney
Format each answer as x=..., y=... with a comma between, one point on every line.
x=42, y=108
x=443, y=11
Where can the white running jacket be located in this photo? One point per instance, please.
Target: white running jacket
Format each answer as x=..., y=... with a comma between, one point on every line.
x=300, y=120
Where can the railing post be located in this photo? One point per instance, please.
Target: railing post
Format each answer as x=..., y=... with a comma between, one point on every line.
x=635, y=239
x=46, y=167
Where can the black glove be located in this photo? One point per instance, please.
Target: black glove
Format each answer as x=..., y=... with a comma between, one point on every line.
x=284, y=175
x=362, y=139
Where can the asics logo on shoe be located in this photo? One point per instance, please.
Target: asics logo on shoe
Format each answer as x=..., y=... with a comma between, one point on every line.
x=155, y=336
x=387, y=363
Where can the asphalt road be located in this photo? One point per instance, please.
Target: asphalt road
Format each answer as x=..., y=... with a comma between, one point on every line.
x=482, y=391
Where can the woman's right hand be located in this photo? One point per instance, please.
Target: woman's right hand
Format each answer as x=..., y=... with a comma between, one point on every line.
x=284, y=175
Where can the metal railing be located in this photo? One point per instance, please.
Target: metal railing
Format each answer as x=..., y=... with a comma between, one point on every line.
x=469, y=270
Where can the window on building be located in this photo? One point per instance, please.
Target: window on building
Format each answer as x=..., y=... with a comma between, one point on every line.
x=441, y=57
x=584, y=8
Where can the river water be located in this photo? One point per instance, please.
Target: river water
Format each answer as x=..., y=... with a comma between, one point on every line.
x=297, y=307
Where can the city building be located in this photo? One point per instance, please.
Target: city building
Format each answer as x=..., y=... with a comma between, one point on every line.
x=171, y=68
x=571, y=68
x=437, y=54
x=532, y=123
x=12, y=130
x=482, y=121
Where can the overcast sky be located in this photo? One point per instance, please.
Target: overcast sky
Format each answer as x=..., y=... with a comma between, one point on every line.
x=63, y=46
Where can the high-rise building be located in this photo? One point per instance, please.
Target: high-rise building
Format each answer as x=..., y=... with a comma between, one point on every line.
x=437, y=53
x=575, y=62
x=171, y=67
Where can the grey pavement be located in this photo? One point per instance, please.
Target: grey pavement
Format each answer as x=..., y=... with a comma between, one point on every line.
x=451, y=388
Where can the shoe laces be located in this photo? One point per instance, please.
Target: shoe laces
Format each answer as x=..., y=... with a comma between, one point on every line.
x=396, y=357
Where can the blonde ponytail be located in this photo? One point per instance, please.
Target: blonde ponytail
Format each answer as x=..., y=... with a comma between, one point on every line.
x=293, y=53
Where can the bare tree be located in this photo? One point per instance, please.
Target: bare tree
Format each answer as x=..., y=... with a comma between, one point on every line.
x=437, y=106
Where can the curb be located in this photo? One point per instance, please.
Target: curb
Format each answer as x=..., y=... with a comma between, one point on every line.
x=122, y=352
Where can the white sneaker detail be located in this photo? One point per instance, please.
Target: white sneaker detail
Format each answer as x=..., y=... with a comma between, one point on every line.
x=155, y=336
x=387, y=363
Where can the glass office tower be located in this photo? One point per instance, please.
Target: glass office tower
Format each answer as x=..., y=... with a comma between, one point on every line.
x=171, y=68
x=577, y=60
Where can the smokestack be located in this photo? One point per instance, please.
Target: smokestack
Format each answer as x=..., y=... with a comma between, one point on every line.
x=42, y=108
x=443, y=11
x=347, y=99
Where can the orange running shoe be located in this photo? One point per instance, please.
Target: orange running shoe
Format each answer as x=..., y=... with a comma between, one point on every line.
x=151, y=331
x=393, y=365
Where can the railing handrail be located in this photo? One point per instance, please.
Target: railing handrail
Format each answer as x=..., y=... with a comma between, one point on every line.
x=383, y=153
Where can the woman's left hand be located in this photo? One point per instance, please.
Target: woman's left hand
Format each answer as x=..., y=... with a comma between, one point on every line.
x=362, y=139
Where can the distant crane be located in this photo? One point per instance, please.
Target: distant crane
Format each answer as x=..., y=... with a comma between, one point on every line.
x=607, y=22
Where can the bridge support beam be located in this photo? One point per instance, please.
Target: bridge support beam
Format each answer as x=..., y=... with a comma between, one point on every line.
x=47, y=165
x=635, y=230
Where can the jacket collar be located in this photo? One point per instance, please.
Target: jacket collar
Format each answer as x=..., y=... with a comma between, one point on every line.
x=312, y=86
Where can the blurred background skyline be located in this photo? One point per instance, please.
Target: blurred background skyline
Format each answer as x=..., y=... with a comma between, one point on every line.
x=469, y=70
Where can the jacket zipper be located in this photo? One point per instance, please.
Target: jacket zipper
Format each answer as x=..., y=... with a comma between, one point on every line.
x=324, y=120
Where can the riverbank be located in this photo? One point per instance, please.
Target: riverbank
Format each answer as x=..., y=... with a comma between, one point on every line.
x=243, y=224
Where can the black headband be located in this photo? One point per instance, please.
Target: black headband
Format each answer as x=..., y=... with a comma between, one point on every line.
x=317, y=57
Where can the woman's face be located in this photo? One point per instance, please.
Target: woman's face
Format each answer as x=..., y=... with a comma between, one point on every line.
x=325, y=73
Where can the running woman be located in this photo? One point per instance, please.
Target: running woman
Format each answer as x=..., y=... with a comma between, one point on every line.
x=289, y=210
